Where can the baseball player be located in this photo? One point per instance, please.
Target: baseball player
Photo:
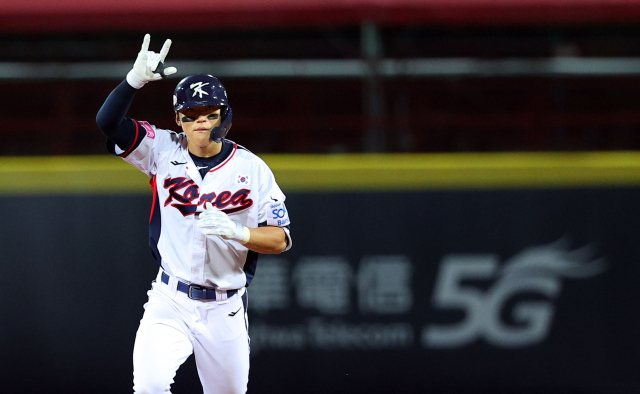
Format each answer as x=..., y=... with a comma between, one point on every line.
x=216, y=207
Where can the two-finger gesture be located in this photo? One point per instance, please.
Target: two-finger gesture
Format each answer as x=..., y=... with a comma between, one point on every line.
x=149, y=66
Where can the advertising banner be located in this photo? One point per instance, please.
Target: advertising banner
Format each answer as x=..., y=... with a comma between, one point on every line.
x=504, y=291
x=442, y=291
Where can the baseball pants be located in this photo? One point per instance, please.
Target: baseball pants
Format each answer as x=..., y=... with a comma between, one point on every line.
x=174, y=326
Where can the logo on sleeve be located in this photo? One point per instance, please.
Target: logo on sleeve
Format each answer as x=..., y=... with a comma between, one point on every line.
x=184, y=195
x=278, y=215
x=150, y=133
x=242, y=179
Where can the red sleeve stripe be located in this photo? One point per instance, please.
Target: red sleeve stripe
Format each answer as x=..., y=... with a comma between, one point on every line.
x=135, y=140
x=154, y=188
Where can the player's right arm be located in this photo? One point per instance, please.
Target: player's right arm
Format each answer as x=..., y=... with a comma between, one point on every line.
x=111, y=117
x=149, y=66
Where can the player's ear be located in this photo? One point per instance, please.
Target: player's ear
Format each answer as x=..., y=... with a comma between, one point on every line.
x=178, y=118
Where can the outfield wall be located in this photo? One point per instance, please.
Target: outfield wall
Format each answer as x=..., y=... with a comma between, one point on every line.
x=501, y=273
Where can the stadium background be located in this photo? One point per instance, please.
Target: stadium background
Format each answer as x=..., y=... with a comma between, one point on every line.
x=429, y=151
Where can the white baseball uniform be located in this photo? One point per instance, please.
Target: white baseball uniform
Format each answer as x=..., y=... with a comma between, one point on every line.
x=193, y=265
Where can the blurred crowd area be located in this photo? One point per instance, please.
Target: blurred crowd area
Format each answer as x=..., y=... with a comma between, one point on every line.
x=486, y=108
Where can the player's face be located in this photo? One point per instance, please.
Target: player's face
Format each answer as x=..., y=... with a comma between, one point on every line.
x=197, y=123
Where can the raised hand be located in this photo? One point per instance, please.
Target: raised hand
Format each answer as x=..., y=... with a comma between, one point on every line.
x=149, y=66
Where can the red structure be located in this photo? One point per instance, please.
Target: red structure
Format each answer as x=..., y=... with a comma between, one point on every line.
x=480, y=111
x=105, y=16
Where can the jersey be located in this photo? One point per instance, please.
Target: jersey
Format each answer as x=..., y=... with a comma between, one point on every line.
x=241, y=185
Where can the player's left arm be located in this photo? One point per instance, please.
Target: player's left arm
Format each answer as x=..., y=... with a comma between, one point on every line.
x=266, y=239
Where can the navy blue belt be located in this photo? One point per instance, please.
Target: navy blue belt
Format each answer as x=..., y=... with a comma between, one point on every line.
x=196, y=292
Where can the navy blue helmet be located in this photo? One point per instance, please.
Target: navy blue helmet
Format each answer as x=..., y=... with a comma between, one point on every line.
x=200, y=90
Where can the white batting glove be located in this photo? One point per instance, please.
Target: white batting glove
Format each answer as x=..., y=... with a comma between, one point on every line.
x=149, y=66
x=216, y=222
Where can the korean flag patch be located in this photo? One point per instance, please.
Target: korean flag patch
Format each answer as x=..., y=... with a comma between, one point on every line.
x=242, y=179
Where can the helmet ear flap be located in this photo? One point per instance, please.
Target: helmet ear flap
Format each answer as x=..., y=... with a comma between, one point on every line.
x=219, y=132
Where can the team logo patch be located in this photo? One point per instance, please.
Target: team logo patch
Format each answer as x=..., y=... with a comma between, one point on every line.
x=150, y=133
x=242, y=179
x=197, y=88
